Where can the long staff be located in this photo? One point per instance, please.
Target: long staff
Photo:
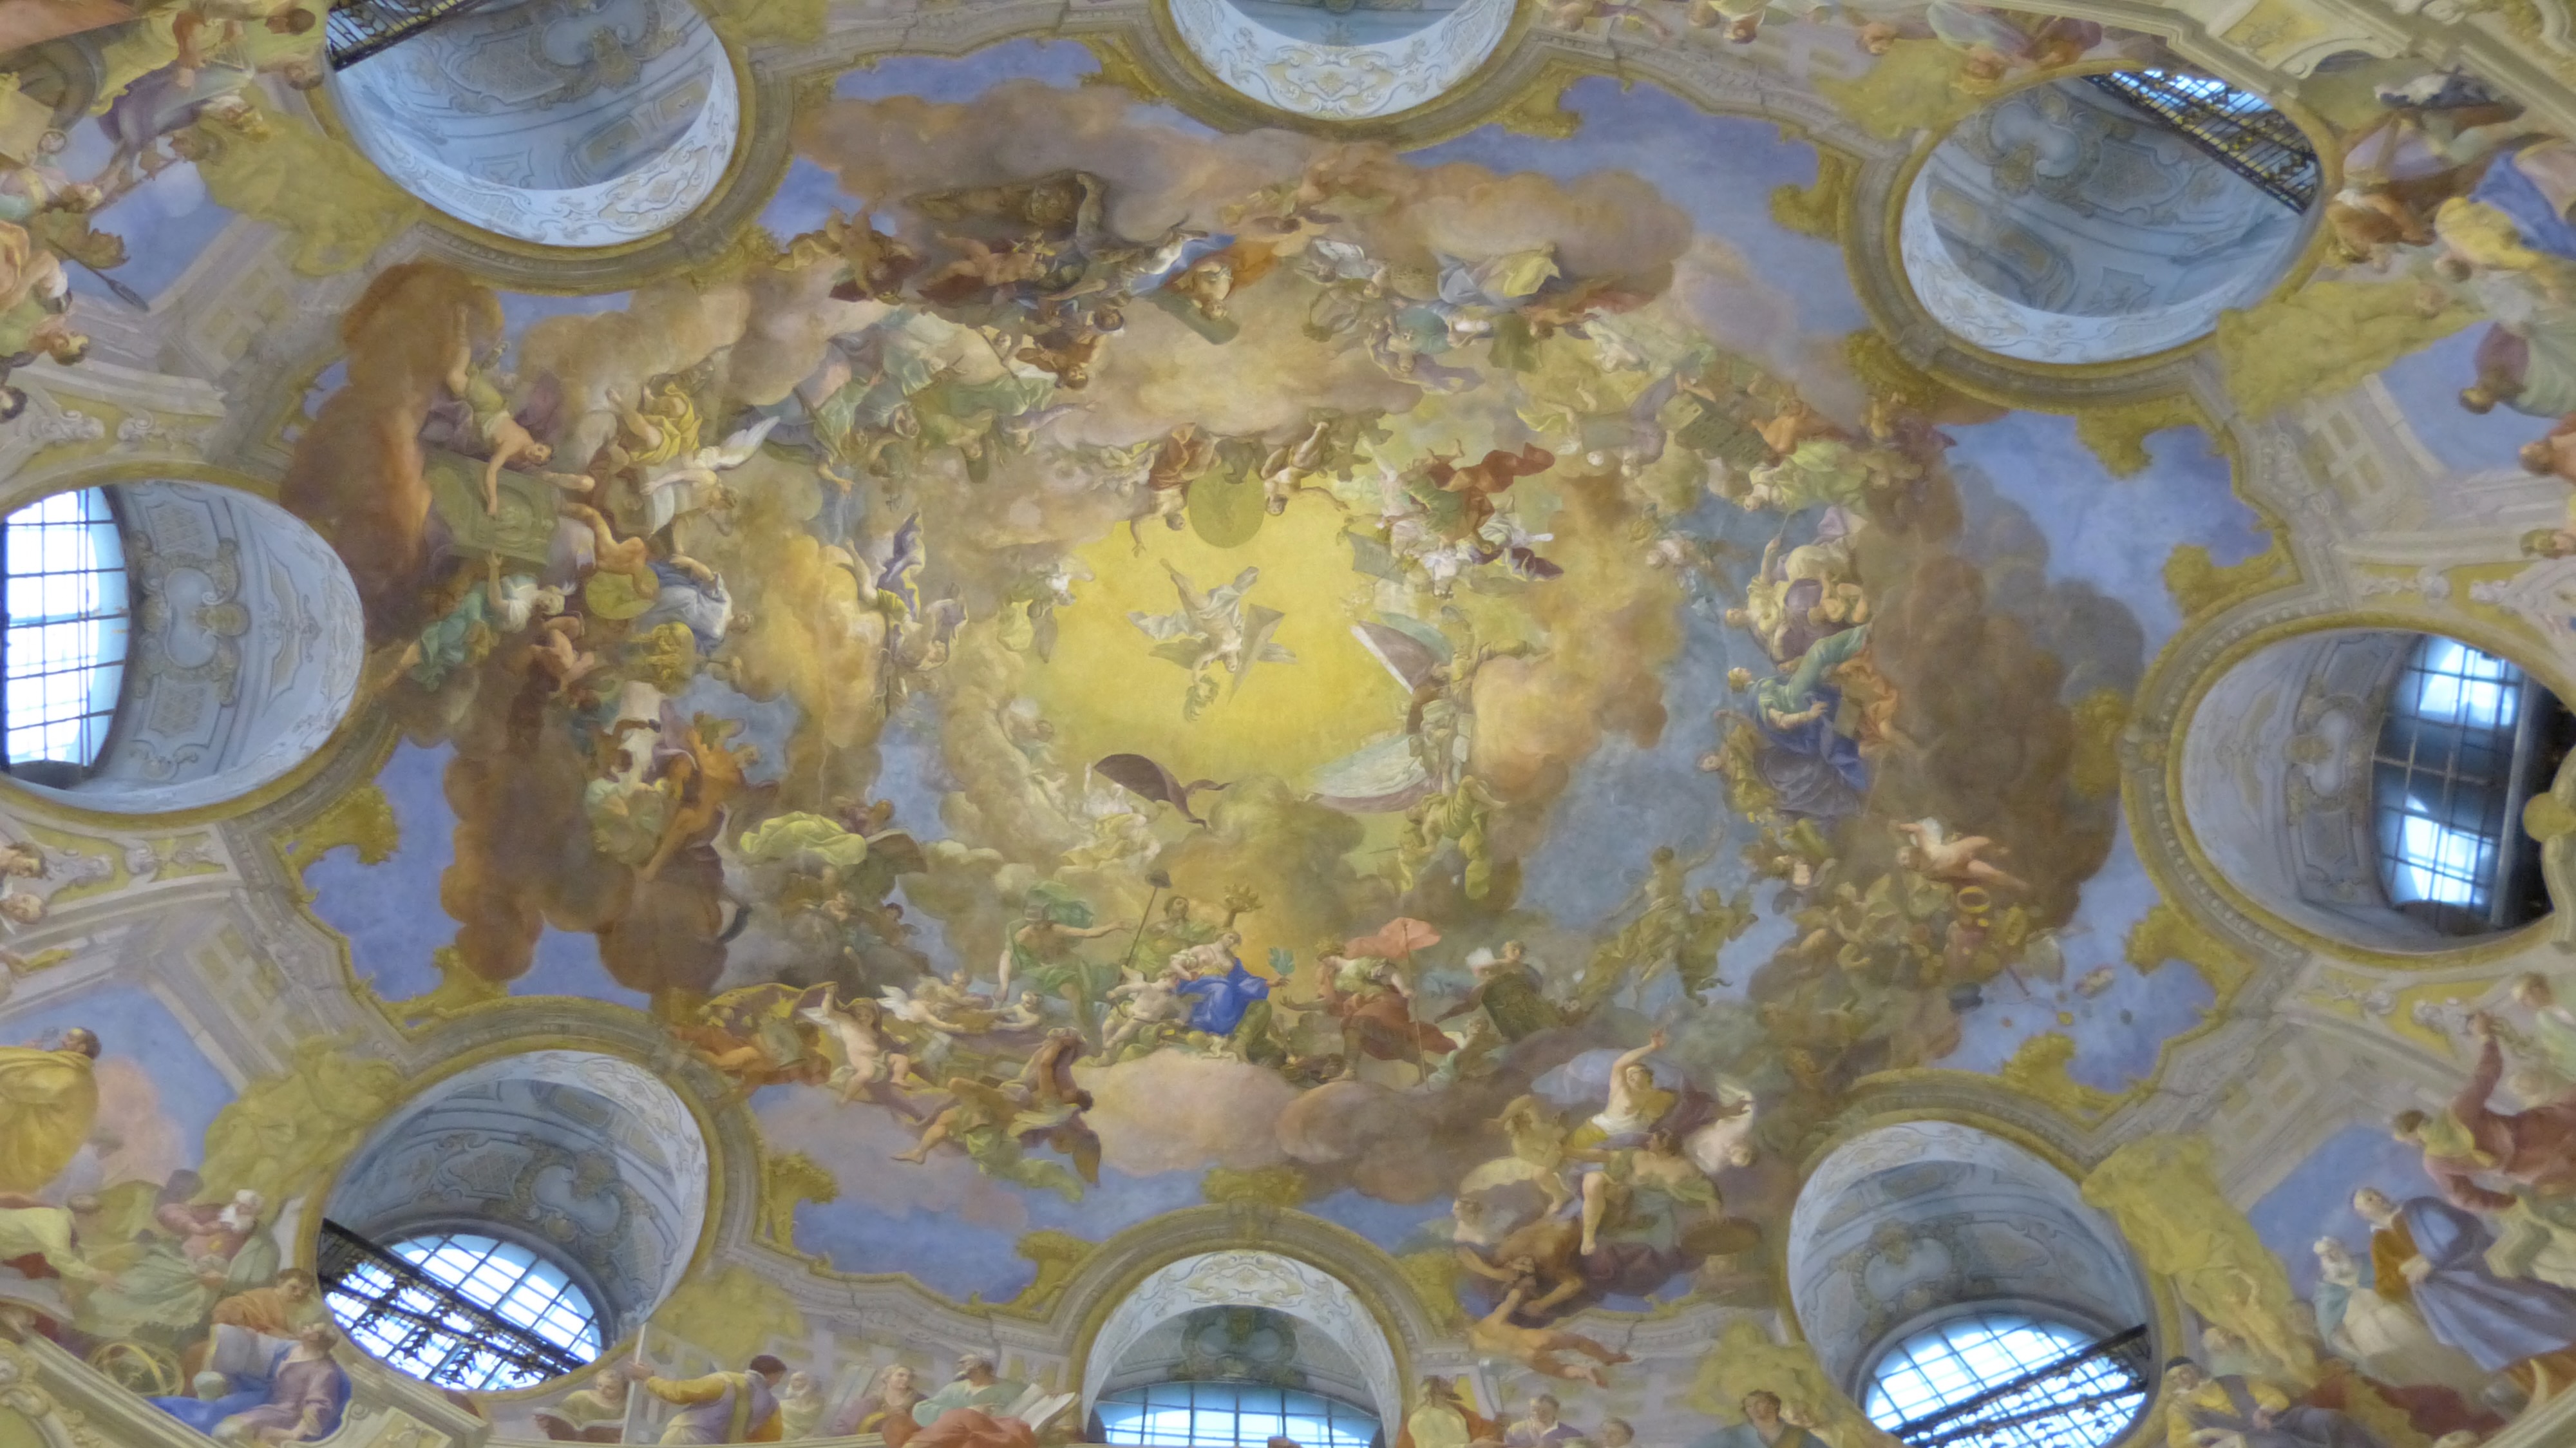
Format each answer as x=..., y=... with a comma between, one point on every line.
x=631, y=1431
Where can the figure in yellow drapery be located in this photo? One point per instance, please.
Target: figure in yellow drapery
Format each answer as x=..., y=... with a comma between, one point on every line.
x=48, y=1102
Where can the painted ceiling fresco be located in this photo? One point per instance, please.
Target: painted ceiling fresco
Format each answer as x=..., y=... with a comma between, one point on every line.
x=1320, y=649
x=1083, y=664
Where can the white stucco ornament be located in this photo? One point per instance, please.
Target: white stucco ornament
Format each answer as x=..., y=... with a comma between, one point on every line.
x=1338, y=72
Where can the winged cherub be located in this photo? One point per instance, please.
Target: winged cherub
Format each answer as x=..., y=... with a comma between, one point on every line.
x=1214, y=629
x=1937, y=855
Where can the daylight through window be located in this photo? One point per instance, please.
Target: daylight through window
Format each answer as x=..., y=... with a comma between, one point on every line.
x=2009, y=1380
x=1232, y=1415
x=470, y=1312
x=64, y=655
x=2462, y=746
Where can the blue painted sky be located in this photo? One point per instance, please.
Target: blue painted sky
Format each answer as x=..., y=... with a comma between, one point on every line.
x=963, y=78
x=2427, y=386
x=2115, y=533
x=391, y=914
x=2120, y=1032
x=166, y=220
x=947, y=1253
x=1719, y=169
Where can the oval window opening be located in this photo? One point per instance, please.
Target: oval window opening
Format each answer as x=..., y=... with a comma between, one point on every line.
x=2013, y=1379
x=459, y=1309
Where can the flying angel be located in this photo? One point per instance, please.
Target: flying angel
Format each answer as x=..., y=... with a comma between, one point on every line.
x=689, y=484
x=1214, y=629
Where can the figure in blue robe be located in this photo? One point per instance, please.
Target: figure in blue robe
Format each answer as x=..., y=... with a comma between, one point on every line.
x=1794, y=709
x=2509, y=188
x=1219, y=1001
x=2497, y=1321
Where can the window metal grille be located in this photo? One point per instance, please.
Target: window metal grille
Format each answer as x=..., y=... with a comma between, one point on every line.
x=2010, y=1380
x=2456, y=756
x=457, y=1309
x=1232, y=1415
x=2237, y=129
x=356, y=29
x=63, y=653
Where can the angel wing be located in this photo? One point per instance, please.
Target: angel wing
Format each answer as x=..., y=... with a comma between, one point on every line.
x=992, y=1101
x=1406, y=655
x=1164, y=626
x=908, y=553
x=737, y=449
x=1194, y=604
x=1148, y=779
x=1081, y=1144
x=1259, y=624
x=1227, y=596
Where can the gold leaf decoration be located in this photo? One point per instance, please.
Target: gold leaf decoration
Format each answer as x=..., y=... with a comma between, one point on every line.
x=2118, y=435
x=787, y=1178
x=2163, y=1191
x=2039, y=1069
x=459, y=989
x=730, y=1313
x=1817, y=210
x=1266, y=1186
x=1058, y=1255
x=2166, y=933
x=362, y=818
x=2099, y=717
x=2199, y=585
x=337, y=206
x=1433, y=1279
x=1539, y=110
x=1915, y=86
x=283, y=1132
x=2326, y=337
x=1745, y=1360
x=1119, y=67
x=768, y=22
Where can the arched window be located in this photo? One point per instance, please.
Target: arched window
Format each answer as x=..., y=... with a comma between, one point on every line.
x=2009, y=1380
x=1232, y=1415
x=459, y=1309
x=64, y=653
x=2467, y=738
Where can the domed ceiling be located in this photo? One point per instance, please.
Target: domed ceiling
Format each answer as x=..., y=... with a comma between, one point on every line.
x=1113, y=643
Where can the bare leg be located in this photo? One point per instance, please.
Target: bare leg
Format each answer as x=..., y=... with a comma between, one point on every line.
x=1118, y=1038
x=685, y=822
x=1596, y=1205
x=1577, y=1342
x=931, y=1136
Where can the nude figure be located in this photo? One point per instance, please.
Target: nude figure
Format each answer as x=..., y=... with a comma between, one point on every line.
x=1537, y=1348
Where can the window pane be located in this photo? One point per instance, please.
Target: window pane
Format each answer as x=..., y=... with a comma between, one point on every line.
x=1231, y=1415
x=434, y=1336
x=2049, y=1403
x=63, y=652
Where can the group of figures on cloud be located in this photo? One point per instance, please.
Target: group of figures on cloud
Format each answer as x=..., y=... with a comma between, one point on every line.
x=978, y=353
x=176, y=1289
x=550, y=558
x=2458, y=1310
x=765, y=1402
x=2468, y=197
x=180, y=74
x=1443, y=1418
x=1991, y=43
